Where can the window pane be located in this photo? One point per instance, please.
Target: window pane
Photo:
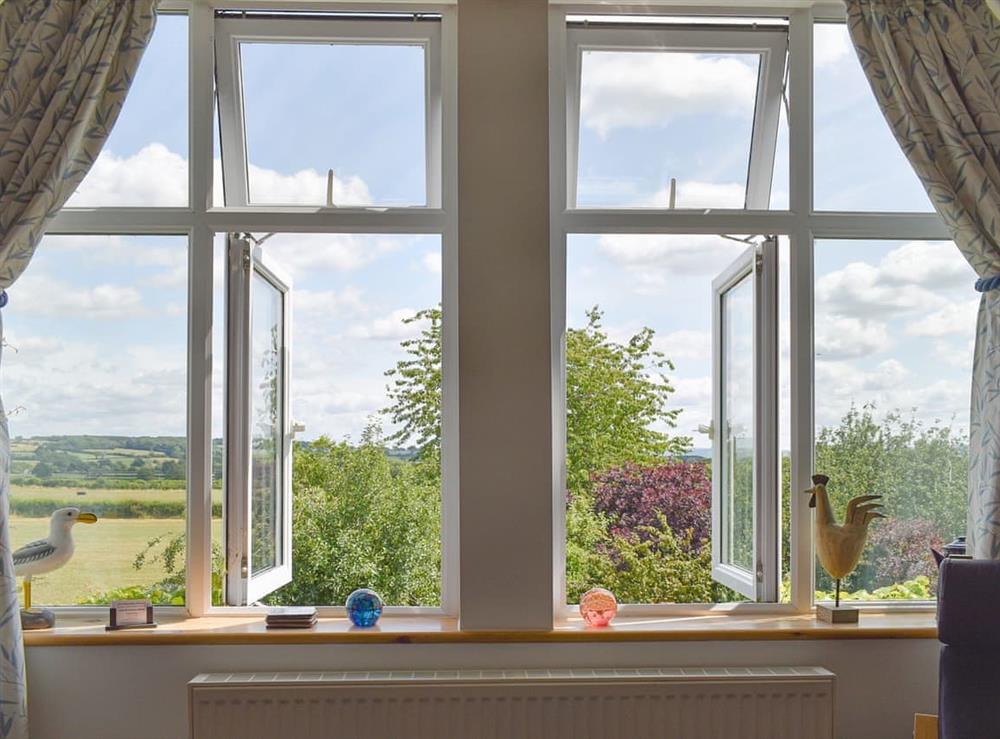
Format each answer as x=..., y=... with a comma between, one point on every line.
x=858, y=164
x=649, y=116
x=266, y=383
x=737, y=421
x=95, y=380
x=366, y=384
x=367, y=124
x=639, y=409
x=144, y=161
x=895, y=325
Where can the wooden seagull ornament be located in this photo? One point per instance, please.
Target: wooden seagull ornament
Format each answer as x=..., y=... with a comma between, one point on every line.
x=839, y=546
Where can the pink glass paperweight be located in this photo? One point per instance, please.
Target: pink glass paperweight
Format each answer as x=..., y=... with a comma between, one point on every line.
x=598, y=606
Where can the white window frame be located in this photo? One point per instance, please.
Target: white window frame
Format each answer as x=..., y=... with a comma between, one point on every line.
x=759, y=263
x=766, y=42
x=201, y=223
x=800, y=224
x=231, y=32
x=244, y=586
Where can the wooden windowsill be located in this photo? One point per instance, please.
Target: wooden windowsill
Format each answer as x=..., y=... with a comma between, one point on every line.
x=434, y=630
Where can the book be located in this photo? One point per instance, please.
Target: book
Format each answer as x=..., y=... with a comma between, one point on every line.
x=291, y=617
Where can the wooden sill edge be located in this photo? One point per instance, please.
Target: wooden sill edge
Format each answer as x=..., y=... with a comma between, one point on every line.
x=223, y=630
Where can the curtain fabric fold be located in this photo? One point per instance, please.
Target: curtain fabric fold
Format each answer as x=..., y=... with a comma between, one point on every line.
x=934, y=66
x=65, y=68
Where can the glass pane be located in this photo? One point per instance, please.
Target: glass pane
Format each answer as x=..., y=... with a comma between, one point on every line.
x=638, y=415
x=266, y=409
x=858, y=164
x=366, y=384
x=649, y=116
x=368, y=125
x=895, y=326
x=144, y=161
x=737, y=425
x=95, y=373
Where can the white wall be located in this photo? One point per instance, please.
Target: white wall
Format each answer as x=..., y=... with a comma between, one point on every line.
x=130, y=692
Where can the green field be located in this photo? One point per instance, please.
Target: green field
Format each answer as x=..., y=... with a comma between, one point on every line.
x=106, y=550
x=68, y=496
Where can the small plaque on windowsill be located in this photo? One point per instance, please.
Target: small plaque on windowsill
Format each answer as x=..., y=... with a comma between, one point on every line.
x=131, y=614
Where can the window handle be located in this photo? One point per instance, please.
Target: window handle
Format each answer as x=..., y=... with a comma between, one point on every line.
x=298, y=428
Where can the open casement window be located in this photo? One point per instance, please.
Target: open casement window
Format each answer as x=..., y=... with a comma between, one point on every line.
x=259, y=431
x=370, y=68
x=745, y=485
x=672, y=116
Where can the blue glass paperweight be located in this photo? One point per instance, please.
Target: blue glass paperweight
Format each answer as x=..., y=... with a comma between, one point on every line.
x=364, y=607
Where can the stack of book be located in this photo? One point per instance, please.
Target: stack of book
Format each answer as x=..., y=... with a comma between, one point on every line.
x=291, y=617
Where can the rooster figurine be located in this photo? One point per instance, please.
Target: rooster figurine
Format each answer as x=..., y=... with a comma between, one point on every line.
x=839, y=546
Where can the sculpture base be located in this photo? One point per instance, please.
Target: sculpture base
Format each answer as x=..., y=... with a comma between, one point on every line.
x=838, y=614
x=37, y=618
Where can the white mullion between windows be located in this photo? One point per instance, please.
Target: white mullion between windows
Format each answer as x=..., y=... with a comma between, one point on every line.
x=198, y=587
x=447, y=135
x=563, y=120
x=801, y=286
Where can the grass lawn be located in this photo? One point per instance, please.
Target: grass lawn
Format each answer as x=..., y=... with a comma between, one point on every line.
x=67, y=496
x=104, y=553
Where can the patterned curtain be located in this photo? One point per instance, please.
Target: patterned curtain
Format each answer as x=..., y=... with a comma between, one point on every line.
x=65, y=67
x=934, y=66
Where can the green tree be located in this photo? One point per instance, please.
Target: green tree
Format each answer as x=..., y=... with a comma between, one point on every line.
x=415, y=391
x=361, y=519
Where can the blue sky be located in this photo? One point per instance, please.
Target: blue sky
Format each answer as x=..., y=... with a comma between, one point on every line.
x=99, y=323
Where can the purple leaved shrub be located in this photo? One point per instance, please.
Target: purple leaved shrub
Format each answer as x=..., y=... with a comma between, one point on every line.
x=633, y=497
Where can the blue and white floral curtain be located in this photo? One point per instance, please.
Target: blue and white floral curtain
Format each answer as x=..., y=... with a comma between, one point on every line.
x=65, y=68
x=934, y=66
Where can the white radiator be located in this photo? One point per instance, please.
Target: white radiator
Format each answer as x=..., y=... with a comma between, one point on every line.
x=688, y=703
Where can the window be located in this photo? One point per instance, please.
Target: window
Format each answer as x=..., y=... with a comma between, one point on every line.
x=858, y=164
x=672, y=118
x=95, y=364
x=640, y=416
x=893, y=373
x=334, y=414
x=367, y=140
x=291, y=349
x=710, y=338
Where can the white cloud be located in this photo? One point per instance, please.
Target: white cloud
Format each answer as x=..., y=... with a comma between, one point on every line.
x=393, y=326
x=329, y=302
x=305, y=187
x=97, y=387
x=953, y=318
x=849, y=338
x=891, y=387
x=152, y=176
x=831, y=44
x=432, y=262
x=156, y=176
x=861, y=290
x=40, y=294
x=301, y=254
x=685, y=345
x=684, y=255
x=693, y=194
x=633, y=89
x=931, y=264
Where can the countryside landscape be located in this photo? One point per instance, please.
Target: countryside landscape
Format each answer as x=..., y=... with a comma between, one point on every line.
x=367, y=512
